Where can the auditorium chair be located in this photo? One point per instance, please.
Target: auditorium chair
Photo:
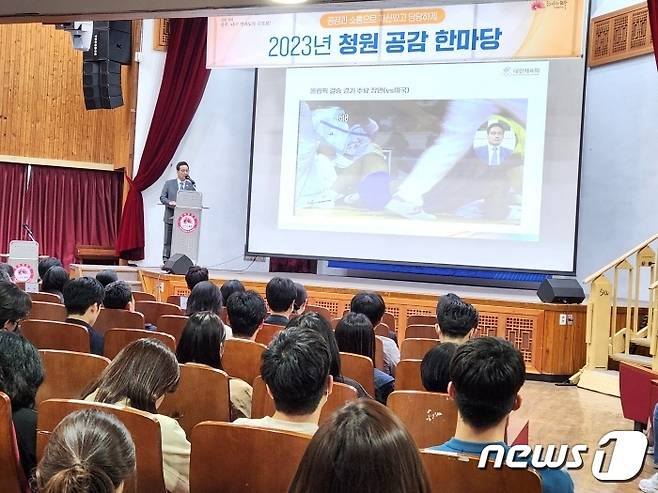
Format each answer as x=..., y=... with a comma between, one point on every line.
x=45, y=334
x=202, y=395
x=417, y=331
x=43, y=310
x=110, y=318
x=421, y=320
x=389, y=319
x=143, y=427
x=117, y=339
x=242, y=359
x=142, y=296
x=45, y=297
x=223, y=315
x=360, y=369
x=430, y=417
x=334, y=322
x=382, y=330
x=320, y=310
x=407, y=375
x=267, y=332
x=68, y=373
x=174, y=299
x=379, y=353
x=416, y=348
x=242, y=459
x=634, y=391
x=12, y=478
x=152, y=310
x=457, y=473
x=172, y=325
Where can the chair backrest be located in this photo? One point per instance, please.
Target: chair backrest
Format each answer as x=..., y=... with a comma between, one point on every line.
x=421, y=320
x=389, y=319
x=453, y=473
x=261, y=403
x=242, y=358
x=12, y=478
x=430, y=417
x=249, y=460
x=178, y=301
x=110, y=318
x=634, y=391
x=421, y=332
x=172, y=325
x=152, y=310
x=47, y=297
x=379, y=353
x=202, y=395
x=42, y=310
x=143, y=296
x=117, y=339
x=144, y=429
x=334, y=322
x=267, y=332
x=45, y=334
x=407, y=375
x=68, y=373
x=382, y=330
x=416, y=348
x=359, y=368
x=320, y=310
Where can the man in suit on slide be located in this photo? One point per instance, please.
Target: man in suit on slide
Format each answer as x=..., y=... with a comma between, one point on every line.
x=493, y=153
x=168, y=198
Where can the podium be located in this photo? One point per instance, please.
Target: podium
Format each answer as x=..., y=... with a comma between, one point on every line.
x=187, y=224
x=24, y=258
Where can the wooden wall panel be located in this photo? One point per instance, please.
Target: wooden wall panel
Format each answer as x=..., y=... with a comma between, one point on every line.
x=42, y=113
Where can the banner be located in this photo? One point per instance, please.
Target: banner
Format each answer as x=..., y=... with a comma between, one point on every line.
x=535, y=29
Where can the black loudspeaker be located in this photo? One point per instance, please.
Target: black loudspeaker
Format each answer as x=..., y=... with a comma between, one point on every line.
x=101, y=84
x=110, y=41
x=178, y=264
x=555, y=290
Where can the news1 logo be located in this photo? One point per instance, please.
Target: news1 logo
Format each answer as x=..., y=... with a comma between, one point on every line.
x=626, y=460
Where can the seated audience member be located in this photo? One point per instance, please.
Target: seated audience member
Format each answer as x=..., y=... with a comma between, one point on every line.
x=15, y=306
x=195, y=275
x=435, y=368
x=372, y=306
x=455, y=319
x=119, y=296
x=202, y=341
x=88, y=451
x=47, y=263
x=54, y=281
x=140, y=376
x=486, y=375
x=21, y=374
x=363, y=447
x=7, y=272
x=354, y=334
x=207, y=297
x=280, y=293
x=106, y=277
x=313, y=321
x=295, y=368
x=246, y=312
x=300, y=300
x=83, y=298
x=230, y=287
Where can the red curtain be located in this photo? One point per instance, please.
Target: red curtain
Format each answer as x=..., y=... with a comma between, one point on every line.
x=300, y=265
x=653, y=22
x=12, y=195
x=183, y=83
x=66, y=207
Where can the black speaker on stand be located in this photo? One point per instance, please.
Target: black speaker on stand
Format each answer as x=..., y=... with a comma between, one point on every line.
x=178, y=264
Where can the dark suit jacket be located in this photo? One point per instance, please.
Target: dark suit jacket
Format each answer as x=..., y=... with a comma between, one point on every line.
x=483, y=153
x=96, y=339
x=169, y=193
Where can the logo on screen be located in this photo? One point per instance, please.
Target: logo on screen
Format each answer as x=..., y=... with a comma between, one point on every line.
x=23, y=272
x=188, y=222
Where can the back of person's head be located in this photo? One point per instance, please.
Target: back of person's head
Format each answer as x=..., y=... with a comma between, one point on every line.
x=230, y=287
x=142, y=372
x=205, y=297
x=195, y=275
x=54, y=280
x=363, y=447
x=47, y=263
x=295, y=368
x=316, y=322
x=202, y=340
x=370, y=304
x=118, y=296
x=486, y=375
x=21, y=370
x=82, y=293
x=89, y=451
x=455, y=317
x=246, y=312
x=435, y=368
x=8, y=270
x=354, y=334
x=15, y=305
x=106, y=277
x=280, y=293
x=300, y=298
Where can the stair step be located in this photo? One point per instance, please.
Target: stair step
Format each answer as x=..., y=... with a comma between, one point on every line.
x=633, y=358
x=641, y=341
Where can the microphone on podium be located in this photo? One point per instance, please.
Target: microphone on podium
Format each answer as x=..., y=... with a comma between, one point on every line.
x=190, y=180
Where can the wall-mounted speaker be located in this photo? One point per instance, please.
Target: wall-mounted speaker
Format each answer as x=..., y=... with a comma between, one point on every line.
x=101, y=85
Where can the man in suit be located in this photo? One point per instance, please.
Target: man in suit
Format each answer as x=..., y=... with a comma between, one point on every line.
x=168, y=198
x=493, y=153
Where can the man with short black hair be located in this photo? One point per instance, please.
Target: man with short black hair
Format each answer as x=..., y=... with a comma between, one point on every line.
x=83, y=298
x=280, y=293
x=106, y=277
x=455, y=319
x=246, y=312
x=119, y=296
x=229, y=287
x=300, y=300
x=15, y=305
x=47, y=263
x=486, y=375
x=8, y=270
x=295, y=368
x=195, y=275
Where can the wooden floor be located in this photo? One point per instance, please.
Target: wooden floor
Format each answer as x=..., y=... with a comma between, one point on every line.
x=571, y=415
